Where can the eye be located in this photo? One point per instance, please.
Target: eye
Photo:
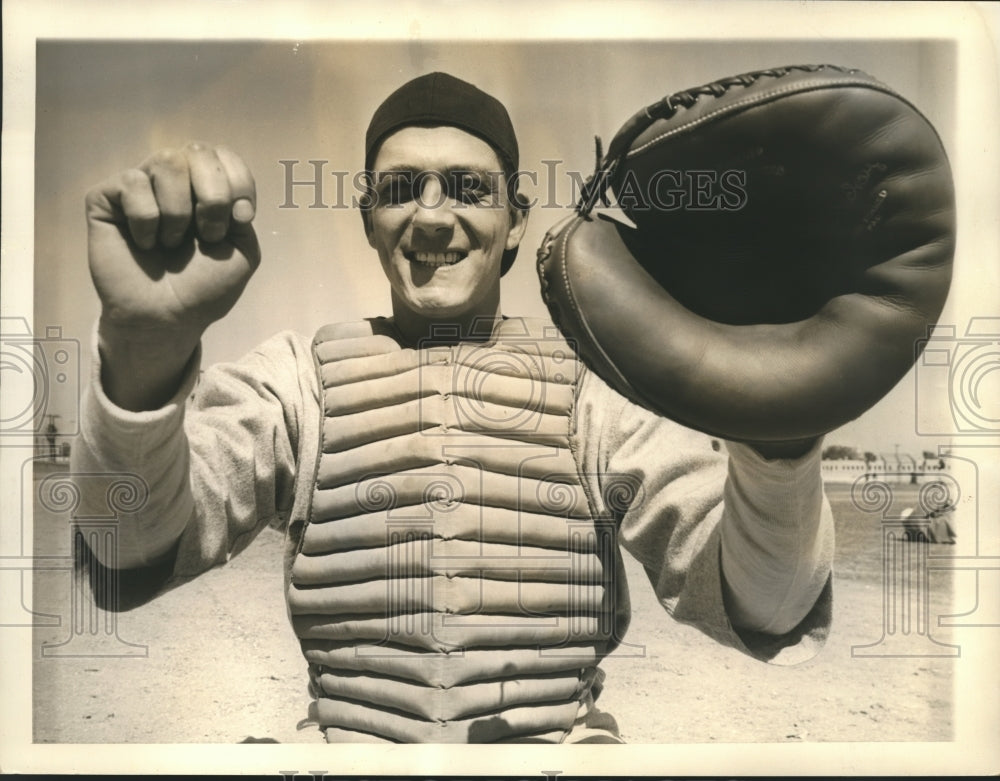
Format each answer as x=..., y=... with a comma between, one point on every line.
x=394, y=189
x=472, y=187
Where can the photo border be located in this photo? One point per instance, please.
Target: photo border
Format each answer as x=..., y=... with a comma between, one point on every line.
x=977, y=117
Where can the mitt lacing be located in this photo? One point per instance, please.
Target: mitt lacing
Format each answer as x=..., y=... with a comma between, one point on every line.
x=605, y=166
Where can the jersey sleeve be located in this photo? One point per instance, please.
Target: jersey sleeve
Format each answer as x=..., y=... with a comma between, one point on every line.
x=218, y=462
x=735, y=544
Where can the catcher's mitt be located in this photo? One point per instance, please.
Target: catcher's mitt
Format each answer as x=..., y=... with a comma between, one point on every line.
x=793, y=241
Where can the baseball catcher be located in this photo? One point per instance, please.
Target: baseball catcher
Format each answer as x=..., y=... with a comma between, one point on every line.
x=456, y=485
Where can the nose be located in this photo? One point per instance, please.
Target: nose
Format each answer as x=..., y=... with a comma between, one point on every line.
x=433, y=205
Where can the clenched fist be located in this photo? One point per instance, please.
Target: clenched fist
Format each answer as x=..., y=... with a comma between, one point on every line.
x=171, y=249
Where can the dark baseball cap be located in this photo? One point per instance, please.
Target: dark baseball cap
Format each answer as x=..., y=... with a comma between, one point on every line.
x=442, y=99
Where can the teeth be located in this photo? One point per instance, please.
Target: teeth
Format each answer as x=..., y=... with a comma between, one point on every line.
x=437, y=258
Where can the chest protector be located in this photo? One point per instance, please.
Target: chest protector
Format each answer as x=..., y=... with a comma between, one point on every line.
x=451, y=584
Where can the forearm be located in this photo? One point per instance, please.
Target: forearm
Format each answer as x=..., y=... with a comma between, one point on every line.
x=776, y=539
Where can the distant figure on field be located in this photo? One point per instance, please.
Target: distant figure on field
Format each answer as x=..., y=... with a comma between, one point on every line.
x=936, y=526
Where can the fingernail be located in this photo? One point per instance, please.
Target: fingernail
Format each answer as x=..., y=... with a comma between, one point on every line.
x=243, y=210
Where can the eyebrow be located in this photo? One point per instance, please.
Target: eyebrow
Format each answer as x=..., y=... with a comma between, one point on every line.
x=446, y=171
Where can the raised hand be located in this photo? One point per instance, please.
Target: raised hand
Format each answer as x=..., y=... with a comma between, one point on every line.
x=171, y=248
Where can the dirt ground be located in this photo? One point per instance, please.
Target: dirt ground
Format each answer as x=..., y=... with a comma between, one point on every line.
x=215, y=662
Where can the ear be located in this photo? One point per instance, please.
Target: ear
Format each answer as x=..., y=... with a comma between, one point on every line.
x=367, y=204
x=366, y=218
x=518, y=224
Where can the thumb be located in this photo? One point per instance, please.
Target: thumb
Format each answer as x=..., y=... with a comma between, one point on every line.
x=244, y=238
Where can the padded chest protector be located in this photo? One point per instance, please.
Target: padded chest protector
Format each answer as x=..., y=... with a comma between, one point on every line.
x=793, y=240
x=451, y=584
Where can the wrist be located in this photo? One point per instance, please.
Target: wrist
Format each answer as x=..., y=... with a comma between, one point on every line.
x=142, y=369
x=784, y=449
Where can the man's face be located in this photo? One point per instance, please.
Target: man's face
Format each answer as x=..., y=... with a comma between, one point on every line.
x=441, y=221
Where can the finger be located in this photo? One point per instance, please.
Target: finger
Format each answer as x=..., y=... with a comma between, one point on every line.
x=168, y=172
x=139, y=211
x=213, y=200
x=138, y=204
x=241, y=184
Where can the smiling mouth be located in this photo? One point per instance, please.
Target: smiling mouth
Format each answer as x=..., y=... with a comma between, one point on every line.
x=435, y=258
